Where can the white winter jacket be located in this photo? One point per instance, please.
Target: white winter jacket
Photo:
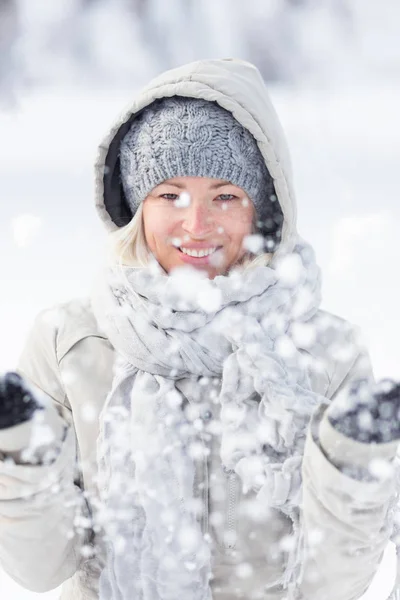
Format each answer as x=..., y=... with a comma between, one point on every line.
x=46, y=528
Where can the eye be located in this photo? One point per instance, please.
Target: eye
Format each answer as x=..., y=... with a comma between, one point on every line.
x=226, y=197
x=169, y=196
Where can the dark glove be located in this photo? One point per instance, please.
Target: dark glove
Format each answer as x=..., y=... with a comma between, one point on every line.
x=17, y=403
x=369, y=413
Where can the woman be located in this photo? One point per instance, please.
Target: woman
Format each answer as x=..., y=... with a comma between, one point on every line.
x=198, y=428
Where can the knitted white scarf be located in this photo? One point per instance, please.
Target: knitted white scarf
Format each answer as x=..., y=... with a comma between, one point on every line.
x=166, y=328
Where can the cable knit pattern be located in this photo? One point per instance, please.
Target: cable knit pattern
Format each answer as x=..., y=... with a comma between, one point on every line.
x=178, y=137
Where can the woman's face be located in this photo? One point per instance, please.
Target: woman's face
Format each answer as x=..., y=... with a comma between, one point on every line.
x=187, y=216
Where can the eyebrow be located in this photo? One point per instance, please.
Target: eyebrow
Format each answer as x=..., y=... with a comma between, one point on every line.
x=213, y=186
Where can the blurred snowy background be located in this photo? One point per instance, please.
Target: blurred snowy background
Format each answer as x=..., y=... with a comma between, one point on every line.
x=67, y=67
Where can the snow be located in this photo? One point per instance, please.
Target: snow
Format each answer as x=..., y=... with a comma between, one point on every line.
x=253, y=243
x=379, y=589
x=355, y=234
x=344, y=137
x=183, y=200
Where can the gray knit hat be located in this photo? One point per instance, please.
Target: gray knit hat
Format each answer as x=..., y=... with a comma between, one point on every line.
x=177, y=137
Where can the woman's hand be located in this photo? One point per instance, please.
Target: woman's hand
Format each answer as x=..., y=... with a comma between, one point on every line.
x=17, y=403
x=368, y=413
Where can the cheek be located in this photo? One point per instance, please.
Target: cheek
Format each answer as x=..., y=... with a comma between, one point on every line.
x=237, y=223
x=158, y=224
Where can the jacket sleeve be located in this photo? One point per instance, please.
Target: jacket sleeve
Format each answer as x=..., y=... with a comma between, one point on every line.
x=42, y=508
x=346, y=508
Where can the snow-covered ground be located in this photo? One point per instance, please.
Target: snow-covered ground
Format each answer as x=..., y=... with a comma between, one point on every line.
x=346, y=151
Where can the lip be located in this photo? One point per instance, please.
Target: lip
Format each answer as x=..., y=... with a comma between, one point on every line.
x=197, y=260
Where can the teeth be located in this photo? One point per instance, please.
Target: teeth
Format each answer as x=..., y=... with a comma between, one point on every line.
x=198, y=253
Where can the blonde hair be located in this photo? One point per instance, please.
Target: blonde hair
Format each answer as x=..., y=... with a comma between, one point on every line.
x=127, y=246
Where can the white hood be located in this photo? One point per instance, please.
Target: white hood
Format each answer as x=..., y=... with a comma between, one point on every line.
x=235, y=85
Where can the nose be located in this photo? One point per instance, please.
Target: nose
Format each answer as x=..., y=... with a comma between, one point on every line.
x=198, y=220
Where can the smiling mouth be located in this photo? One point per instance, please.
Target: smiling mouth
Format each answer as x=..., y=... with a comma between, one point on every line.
x=200, y=253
